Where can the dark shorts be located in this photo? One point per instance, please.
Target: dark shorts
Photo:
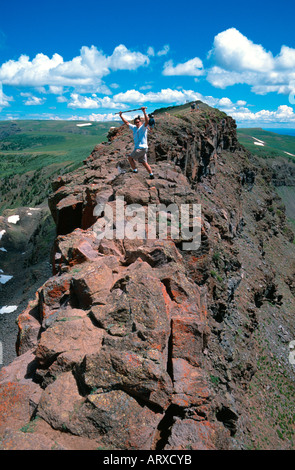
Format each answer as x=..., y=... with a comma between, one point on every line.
x=140, y=155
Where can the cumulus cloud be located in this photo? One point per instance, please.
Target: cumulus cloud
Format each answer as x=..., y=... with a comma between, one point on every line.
x=96, y=117
x=86, y=102
x=193, y=67
x=85, y=70
x=164, y=96
x=173, y=97
x=56, y=90
x=283, y=114
x=233, y=51
x=4, y=100
x=121, y=100
x=163, y=51
x=93, y=102
x=130, y=96
x=151, y=51
x=32, y=100
x=225, y=103
x=237, y=60
x=123, y=59
x=104, y=117
x=61, y=99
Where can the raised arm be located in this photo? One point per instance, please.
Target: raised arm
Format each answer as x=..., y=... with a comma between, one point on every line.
x=146, y=119
x=123, y=119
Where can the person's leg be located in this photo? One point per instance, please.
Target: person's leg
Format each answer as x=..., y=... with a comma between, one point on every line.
x=132, y=162
x=147, y=167
x=143, y=160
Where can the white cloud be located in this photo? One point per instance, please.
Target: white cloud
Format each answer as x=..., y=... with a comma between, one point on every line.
x=239, y=61
x=225, y=103
x=56, y=90
x=284, y=114
x=121, y=100
x=104, y=117
x=123, y=59
x=146, y=87
x=96, y=117
x=130, y=96
x=286, y=58
x=151, y=52
x=221, y=78
x=172, y=96
x=163, y=51
x=193, y=67
x=233, y=51
x=86, y=102
x=4, y=100
x=32, y=100
x=61, y=99
x=93, y=102
x=85, y=70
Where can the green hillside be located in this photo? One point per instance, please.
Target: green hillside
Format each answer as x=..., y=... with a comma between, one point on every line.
x=33, y=153
x=268, y=144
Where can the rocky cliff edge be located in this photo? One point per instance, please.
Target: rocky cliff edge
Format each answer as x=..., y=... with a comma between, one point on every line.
x=141, y=344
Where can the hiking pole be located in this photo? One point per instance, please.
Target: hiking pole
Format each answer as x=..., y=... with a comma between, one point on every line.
x=130, y=110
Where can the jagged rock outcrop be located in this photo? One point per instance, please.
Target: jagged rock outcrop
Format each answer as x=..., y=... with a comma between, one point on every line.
x=283, y=172
x=141, y=344
x=25, y=234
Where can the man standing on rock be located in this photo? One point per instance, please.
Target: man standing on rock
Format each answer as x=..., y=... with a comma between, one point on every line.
x=140, y=142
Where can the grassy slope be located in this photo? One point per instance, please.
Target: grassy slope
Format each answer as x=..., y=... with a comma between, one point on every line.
x=275, y=144
x=32, y=153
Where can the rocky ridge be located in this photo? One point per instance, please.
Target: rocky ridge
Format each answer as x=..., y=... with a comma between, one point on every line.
x=140, y=344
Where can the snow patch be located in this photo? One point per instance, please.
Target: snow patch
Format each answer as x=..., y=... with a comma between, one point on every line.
x=13, y=219
x=3, y=249
x=259, y=143
x=83, y=125
x=4, y=278
x=2, y=233
x=8, y=309
x=292, y=155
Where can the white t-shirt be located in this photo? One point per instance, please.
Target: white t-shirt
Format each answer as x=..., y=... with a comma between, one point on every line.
x=139, y=136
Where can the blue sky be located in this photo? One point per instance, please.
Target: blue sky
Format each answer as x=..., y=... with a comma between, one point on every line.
x=89, y=60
